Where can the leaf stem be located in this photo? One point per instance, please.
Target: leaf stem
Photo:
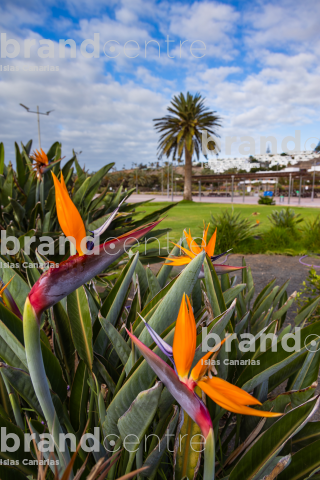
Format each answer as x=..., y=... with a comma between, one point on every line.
x=209, y=457
x=31, y=332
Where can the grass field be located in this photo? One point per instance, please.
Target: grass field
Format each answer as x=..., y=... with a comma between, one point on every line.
x=191, y=215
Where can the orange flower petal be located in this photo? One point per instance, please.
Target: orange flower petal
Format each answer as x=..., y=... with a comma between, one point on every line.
x=199, y=369
x=232, y=392
x=232, y=406
x=193, y=247
x=212, y=244
x=184, y=342
x=177, y=261
x=69, y=218
x=204, y=237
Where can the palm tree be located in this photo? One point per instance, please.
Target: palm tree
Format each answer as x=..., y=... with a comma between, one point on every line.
x=182, y=131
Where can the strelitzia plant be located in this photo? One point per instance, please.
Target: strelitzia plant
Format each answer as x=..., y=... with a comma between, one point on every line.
x=41, y=163
x=195, y=249
x=183, y=383
x=57, y=283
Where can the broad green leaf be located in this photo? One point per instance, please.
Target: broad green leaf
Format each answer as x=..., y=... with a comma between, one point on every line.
x=154, y=285
x=104, y=373
x=213, y=288
x=63, y=330
x=120, y=345
x=1, y=158
x=306, y=311
x=165, y=270
x=18, y=288
x=264, y=293
x=20, y=166
x=271, y=362
x=230, y=294
x=154, y=458
x=19, y=455
x=167, y=311
x=137, y=420
x=309, y=434
x=268, y=445
x=283, y=309
x=21, y=382
x=264, y=305
x=142, y=278
x=304, y=463
x=81, y=324
x=114, y=302
x=142, y=377
x=79, y=398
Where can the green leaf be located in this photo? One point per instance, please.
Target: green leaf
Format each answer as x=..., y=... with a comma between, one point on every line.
x=20, y=166
x=309, y=434
x=19, y=455
x=271, y=362
x=165, y=270
x=154, y=458
x=21, y=382
x=230, y=294
x=304, y=463
x=154, y=285
x=167, y=311
x=142, y=277
x=63, y=330
x=113, y=304
x=213, y=288
x=7, y=472
x=283, y=309
x=104, y=373
x=13, y=344
x=137, y=419
x=141, y=379
x=120, y=345
x=1, y=158
x=268, y=445
x=264, y=305
x=81, y=324
x=18, y=288
x=79, y=398
x=306, y=311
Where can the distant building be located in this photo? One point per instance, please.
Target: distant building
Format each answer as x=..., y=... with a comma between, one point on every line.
x=268, y=160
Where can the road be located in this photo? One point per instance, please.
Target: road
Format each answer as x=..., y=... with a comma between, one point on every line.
x=294, y=201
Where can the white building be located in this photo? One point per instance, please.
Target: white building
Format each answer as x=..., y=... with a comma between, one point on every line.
x=243, y=163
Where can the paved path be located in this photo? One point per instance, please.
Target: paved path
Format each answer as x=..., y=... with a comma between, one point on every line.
x=294, y=201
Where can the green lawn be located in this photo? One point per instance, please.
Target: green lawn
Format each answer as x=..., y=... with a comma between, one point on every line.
x=192, y=215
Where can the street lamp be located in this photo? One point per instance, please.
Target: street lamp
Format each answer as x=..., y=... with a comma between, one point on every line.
x=38, y=113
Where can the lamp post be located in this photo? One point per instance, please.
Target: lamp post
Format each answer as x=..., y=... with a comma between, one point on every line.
x=38, y=113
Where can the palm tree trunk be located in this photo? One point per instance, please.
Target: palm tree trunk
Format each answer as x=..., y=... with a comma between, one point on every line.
x=187, y=194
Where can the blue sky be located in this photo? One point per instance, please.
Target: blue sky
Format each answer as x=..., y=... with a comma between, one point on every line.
x=259, y=71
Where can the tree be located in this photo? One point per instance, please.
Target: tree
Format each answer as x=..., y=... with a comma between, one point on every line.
x=317, y=149
x=181, y=131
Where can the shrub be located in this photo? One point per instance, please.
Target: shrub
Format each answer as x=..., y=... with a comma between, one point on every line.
x=278, y=238
x=312, y=234
x=232, y=229
x=266, y=200
x=309, y=293
x=286, y=218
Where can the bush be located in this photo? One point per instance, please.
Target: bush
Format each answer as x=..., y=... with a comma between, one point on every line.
x=286, y=218
x=279, y=238
x=266, y=200
x=232, y=229
x=312, y=234
x=309, y=293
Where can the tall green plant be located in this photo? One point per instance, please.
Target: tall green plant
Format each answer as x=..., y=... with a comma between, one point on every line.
x=232, y=229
